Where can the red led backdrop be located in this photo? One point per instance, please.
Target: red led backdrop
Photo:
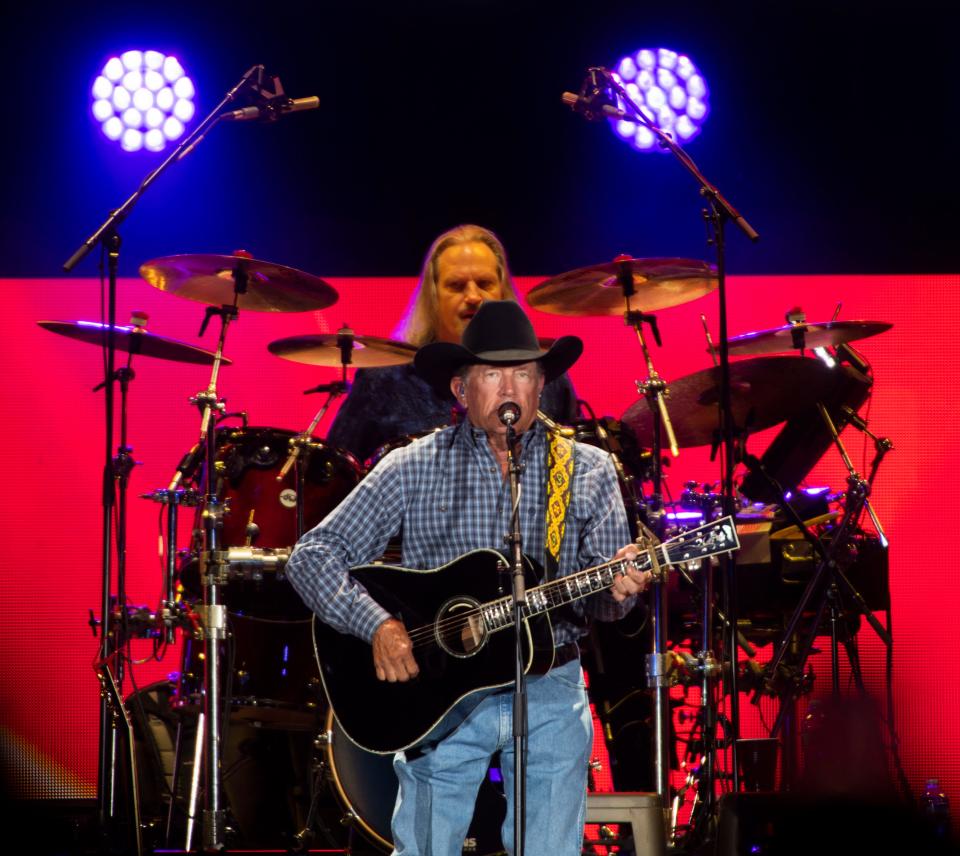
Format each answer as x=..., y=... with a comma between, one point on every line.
x=54, y=448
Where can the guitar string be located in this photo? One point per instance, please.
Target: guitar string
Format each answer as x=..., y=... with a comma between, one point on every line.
x=427, y=634
x=460, y=621
x=457, y=623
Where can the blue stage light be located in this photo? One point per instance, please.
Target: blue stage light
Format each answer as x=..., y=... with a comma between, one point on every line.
x=669, y=90
x=143, y=100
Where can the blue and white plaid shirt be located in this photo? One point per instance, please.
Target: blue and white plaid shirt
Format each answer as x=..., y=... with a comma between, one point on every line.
x=445, y=493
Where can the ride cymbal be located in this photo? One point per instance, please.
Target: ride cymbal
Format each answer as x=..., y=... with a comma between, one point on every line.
x=210, y=279
x=764, y=391
x=795, y=337
x=597, y=290
x=324, y=350
x=134, y=340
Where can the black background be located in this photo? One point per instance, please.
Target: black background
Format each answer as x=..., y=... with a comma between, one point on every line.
x=832, y=129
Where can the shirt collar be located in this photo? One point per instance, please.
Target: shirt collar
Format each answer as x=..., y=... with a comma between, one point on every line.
x=477, y=436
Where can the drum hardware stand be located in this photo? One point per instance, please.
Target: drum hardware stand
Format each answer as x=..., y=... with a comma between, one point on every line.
x=213, y=575
x=121, y=467
x=711, y=348
x=313, y=822
x=174, y=499
x=655, y=390
x=829, y=573
x=214, y=570
x=171, y=612
x=881, y=445
x=114, y=624
x=304, y=442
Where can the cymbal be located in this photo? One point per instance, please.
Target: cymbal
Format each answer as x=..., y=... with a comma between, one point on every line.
x=322, y=350
x=134, y=339
x=209, y=279
x=595, y=290
x=780, y=340
x=764, y=391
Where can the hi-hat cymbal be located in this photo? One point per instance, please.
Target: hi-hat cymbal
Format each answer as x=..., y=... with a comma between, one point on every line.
x=133, y=340
x=323, y=350
x=781, y=340
x=209, y=279
x=764, y=391
x=596, y=290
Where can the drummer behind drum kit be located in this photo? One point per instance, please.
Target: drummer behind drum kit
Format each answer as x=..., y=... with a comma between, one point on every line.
x=266, y=486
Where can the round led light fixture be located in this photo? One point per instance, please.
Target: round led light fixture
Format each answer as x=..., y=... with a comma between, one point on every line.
x=669, y=90
x=143, y=99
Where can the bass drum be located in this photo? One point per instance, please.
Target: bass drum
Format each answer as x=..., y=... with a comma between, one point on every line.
x=262, y=511
x=367, y=787
x=270, y=679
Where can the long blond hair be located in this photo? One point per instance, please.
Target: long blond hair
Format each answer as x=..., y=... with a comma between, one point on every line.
x=419, y=323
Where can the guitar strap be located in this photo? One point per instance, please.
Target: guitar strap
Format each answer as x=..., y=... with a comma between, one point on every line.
x=559, y=482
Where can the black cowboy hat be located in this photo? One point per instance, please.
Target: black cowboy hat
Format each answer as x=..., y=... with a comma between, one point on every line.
x=499, y=334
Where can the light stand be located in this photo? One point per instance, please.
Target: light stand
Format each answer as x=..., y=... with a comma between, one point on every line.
x=718, y=213
x=593, y=94
x=108, y=237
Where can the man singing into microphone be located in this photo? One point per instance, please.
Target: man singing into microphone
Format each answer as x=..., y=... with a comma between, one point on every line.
x=449, y=493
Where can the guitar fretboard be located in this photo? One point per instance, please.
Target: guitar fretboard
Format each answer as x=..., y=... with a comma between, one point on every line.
x=708, y=540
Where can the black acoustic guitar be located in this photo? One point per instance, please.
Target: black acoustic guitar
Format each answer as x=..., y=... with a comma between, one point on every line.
x=456, y=638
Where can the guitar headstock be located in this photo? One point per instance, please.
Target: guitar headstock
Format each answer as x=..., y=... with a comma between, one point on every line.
x=711, y=539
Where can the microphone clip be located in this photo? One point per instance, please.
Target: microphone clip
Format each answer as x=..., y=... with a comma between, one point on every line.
x=595, y=95
x=269, y=96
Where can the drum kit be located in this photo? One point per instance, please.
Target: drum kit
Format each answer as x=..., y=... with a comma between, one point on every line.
x=248, y=656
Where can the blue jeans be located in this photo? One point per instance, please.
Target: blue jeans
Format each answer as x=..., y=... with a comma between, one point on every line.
x=439, y=784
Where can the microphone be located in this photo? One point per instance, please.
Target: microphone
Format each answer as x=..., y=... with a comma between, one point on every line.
x=508, y=413
x=591, y=111
x=270, y=112
x=186, y=466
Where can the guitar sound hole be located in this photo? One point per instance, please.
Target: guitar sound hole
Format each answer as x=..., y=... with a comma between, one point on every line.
x=459, y=627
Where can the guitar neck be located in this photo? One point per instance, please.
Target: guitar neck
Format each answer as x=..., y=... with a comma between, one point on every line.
x=714, y=538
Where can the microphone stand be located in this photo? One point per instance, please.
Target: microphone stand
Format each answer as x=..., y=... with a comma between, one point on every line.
x=514, y=541
x=655, y=390
x=108, y=238
x=718, y=213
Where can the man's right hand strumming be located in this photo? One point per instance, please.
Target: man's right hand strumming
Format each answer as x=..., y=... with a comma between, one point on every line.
x=393, y=652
